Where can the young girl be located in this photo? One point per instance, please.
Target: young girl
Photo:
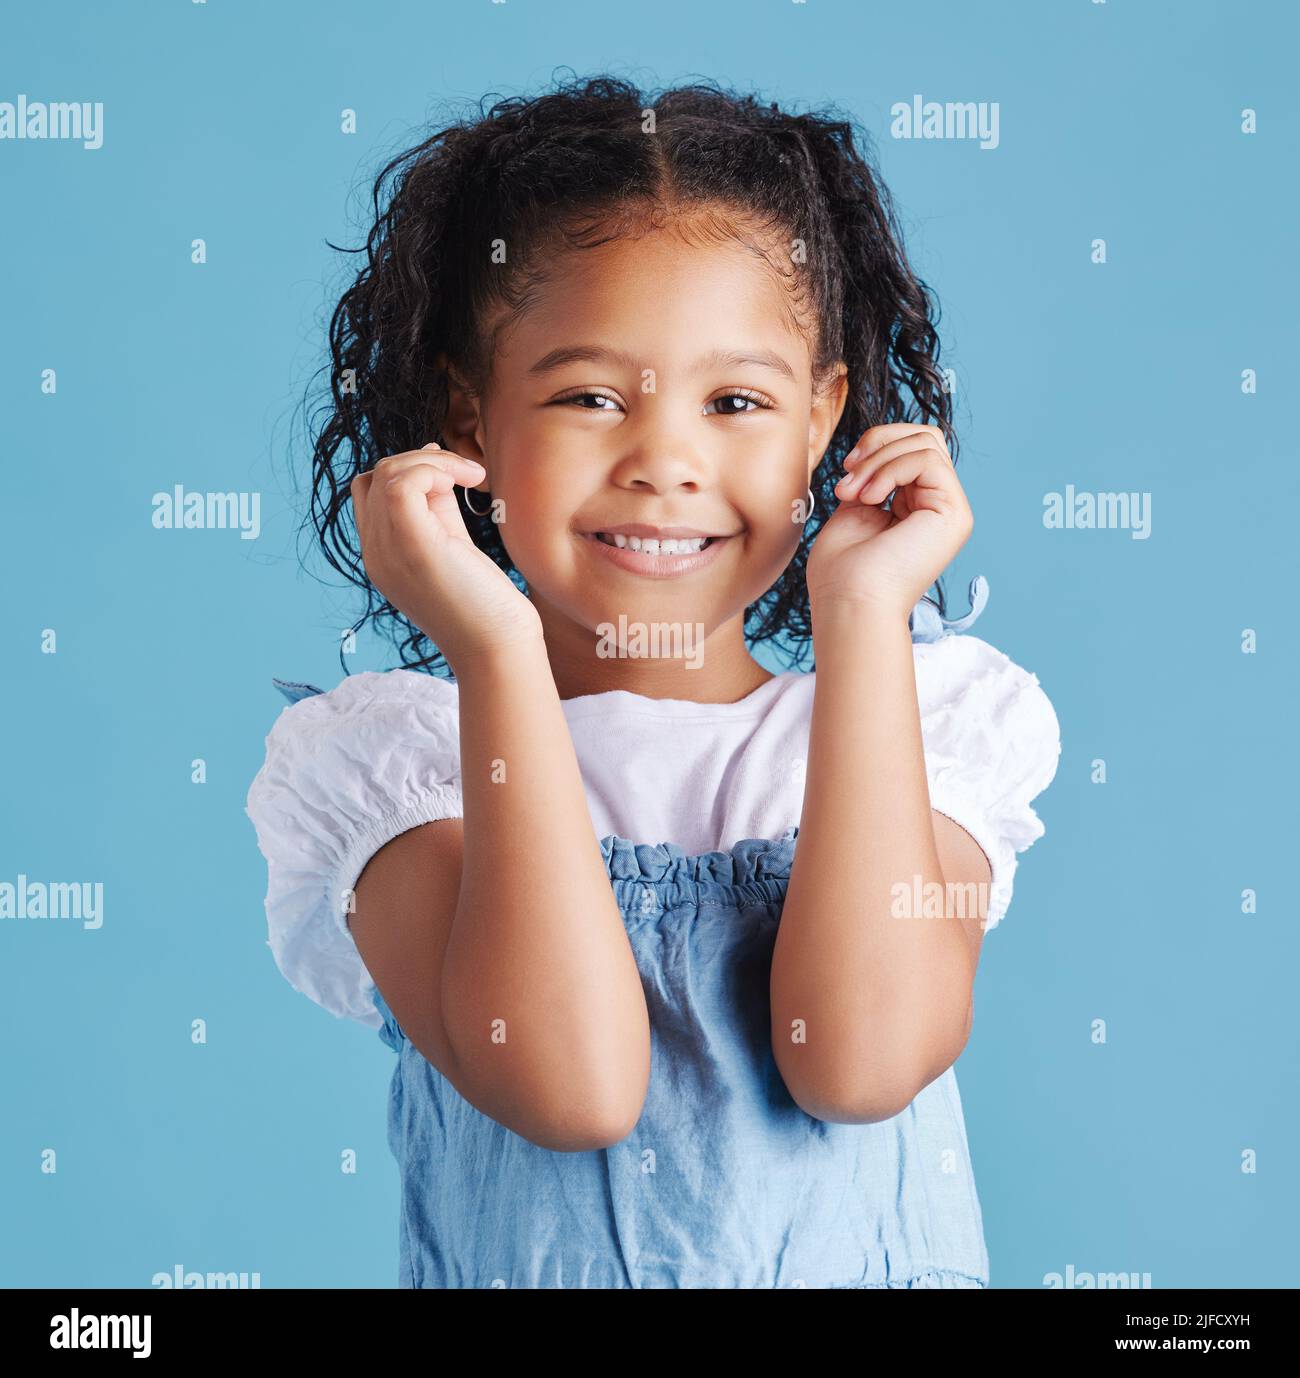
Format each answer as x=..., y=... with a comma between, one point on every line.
x=675, y=954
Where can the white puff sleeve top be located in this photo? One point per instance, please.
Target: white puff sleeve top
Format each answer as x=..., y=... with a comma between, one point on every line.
x=346, y=772
x=349, y=769
x=992, y=745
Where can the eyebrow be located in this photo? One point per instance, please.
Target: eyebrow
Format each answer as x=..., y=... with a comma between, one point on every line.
x=718, y=358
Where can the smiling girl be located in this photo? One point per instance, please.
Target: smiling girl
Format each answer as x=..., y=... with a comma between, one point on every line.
x=642, y=930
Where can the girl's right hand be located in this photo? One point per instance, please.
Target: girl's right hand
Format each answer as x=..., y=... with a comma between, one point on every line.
x=419, y=555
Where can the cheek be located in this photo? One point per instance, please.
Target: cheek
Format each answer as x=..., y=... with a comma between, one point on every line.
x=784, y=535
x=540, y=505
x=769, y=509
x=527, y=479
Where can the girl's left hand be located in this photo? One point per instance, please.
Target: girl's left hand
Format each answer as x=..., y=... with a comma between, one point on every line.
x=888, y=558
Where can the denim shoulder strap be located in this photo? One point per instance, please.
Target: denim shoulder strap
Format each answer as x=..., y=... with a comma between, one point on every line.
x=927, y=624
x=294, y=689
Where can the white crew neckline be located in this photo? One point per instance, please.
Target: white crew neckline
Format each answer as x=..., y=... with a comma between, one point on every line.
x=624, y=700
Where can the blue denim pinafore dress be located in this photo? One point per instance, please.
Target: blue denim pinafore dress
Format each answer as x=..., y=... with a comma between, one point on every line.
x=724, y=1182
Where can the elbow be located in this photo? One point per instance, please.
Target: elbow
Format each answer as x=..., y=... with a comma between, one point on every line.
x=584, y=1133
x=557, y=1118
x=860, y=1106
x=844, y=1095
x=594, y=1113
x=561, y=1104
x=588, y=1118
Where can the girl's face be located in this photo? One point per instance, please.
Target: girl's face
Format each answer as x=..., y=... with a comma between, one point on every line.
x=659, y=383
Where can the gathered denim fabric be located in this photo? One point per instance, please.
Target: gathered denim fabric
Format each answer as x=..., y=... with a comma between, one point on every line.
x=724, y=1182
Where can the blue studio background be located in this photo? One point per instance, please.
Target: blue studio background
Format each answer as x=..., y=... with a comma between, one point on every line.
x=1119, y=121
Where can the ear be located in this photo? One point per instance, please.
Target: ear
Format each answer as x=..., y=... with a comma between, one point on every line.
x=827, y=408
x=462, y=427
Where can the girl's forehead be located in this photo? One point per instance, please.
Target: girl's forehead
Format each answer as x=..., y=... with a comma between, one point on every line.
x=646, y=298
x=655, y=256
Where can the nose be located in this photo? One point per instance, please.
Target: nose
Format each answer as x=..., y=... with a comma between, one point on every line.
x=662, y=460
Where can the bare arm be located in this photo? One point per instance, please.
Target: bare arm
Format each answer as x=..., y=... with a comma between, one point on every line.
x=868, y=1008
x=499, y=938
x=497, y=942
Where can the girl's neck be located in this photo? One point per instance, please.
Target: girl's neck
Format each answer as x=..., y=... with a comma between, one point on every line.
x=651, y=660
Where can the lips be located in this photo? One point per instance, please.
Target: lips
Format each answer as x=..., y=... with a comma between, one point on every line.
x=654, y=564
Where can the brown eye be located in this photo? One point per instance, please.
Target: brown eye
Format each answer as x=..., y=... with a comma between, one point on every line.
x=581, y=399
x=757, y=401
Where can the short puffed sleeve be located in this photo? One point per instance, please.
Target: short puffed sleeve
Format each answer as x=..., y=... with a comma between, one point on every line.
x=345, y=772
x=992, y=744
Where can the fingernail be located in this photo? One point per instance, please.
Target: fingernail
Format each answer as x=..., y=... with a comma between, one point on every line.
x=432, y=445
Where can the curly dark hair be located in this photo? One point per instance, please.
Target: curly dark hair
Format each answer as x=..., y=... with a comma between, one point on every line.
x=587, y=161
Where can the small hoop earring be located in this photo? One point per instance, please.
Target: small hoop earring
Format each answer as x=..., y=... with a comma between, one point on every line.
x=812, y=503
x=474, y=509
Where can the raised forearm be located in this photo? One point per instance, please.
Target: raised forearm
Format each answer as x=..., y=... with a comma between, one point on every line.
x=866, y=1006
x=541, y=995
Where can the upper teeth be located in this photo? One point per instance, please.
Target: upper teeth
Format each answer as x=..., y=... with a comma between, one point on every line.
x=685, y=546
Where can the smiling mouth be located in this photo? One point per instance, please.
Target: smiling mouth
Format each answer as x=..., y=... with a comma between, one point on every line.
x=656, y=559
x=682, y=545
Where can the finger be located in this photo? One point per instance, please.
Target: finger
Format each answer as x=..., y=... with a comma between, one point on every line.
x=876, y=437
x=456, y=470
x=921, y=467
x=417, y=480
x=360, y=488
x=431, y=454
x=855, y=519
x=410, y=497
x=918, y=439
